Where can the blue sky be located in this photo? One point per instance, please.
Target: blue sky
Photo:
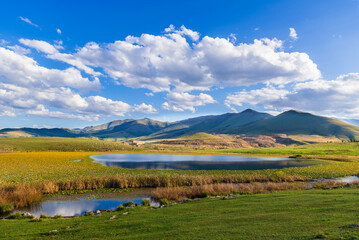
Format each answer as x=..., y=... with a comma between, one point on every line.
x=74, y=64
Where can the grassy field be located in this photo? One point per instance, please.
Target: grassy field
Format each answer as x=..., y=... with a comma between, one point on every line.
x=320, y=149
x=31, y=174
x=31, y=167
x=40, y=144
x=311, y=214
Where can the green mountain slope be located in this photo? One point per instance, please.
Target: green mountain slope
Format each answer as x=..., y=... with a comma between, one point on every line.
x=211, y=124
x=229, y=121
x=246, y=122
x=44, y=132
x=295, y=122
x=128, y=128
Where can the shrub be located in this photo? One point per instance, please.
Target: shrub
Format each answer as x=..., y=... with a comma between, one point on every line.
x=146, y=202
x=43, y=216
x=57, y=216
x=128, y=204
x=120, y=208
x=17, y=215
x=4, y=208
x=163, y=201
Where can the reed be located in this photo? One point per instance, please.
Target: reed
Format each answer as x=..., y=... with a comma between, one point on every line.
x=24, y=194
x=201, y=191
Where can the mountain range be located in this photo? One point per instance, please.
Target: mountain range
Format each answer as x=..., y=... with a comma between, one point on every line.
x=247, y=122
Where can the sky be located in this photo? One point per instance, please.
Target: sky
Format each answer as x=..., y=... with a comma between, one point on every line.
x=79, y=63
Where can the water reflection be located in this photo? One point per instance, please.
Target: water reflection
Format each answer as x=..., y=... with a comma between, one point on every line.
x=198, y=162
x=75, y=205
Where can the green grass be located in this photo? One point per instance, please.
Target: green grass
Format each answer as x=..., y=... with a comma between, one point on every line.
x=311, y=214
x=40, y=144
x=199, y=136
x=320, y=149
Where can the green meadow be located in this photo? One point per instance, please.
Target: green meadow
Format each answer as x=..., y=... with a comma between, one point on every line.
x=310, y=214
x=32, y=167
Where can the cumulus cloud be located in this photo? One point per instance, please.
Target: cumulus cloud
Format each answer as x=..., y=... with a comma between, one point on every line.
x=293, y=34
x=40, y=46
x=185, y=101
x=24, y=71
x=41, y=111
x=170, y=61
x=58, y=30
x=183, y=31
x=19, y=50
x=9, y=113
x=28, y=21
x=32, y=89
x=144, y=108
x=53, y=53
x=337, y=97
x=264, y=96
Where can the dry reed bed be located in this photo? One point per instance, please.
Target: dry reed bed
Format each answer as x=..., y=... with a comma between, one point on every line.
x=201, y=191
x=23, y=194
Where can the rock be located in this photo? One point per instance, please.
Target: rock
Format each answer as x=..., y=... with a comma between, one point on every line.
x=27, y=214
x=98, y=212
x=125, y=213
x=162, y=206
x=53, y=231
x=113, y=217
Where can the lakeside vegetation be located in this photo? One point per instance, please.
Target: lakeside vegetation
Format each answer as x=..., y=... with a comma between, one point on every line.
x=59, y=144
x=320, y=150
x=26, y=176
x=32, y=167
x=313, y=214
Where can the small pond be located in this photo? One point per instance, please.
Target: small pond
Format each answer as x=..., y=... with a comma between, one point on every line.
x=79, y=204
x=198, y=162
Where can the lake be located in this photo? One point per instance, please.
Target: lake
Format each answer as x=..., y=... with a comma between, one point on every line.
x=198, y=162
x=79, y=204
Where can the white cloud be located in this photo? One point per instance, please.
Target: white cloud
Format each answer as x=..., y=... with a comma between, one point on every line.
x=53, y=53
x=255, y=97
x=185, y=101
x=337, y=97
x=19, y=50
x=232, y=38
x=26, y=87
x=41, y=111
x=161, y=63
x=42, y=126
x=149, y=94
x=58, y=30
x=8, y=113
x=183, y=32
x=58, y=44
x=293, y=34
x=24, y=71
x=144, y=108
x=29, y=22
x=41, y=46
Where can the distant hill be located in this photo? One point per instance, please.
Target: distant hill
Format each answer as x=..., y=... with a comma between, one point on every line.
x=42, y=132
x=248, y=122
x=129, y=128
x=211, y=124
x=295, y=122
x=199, y=136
